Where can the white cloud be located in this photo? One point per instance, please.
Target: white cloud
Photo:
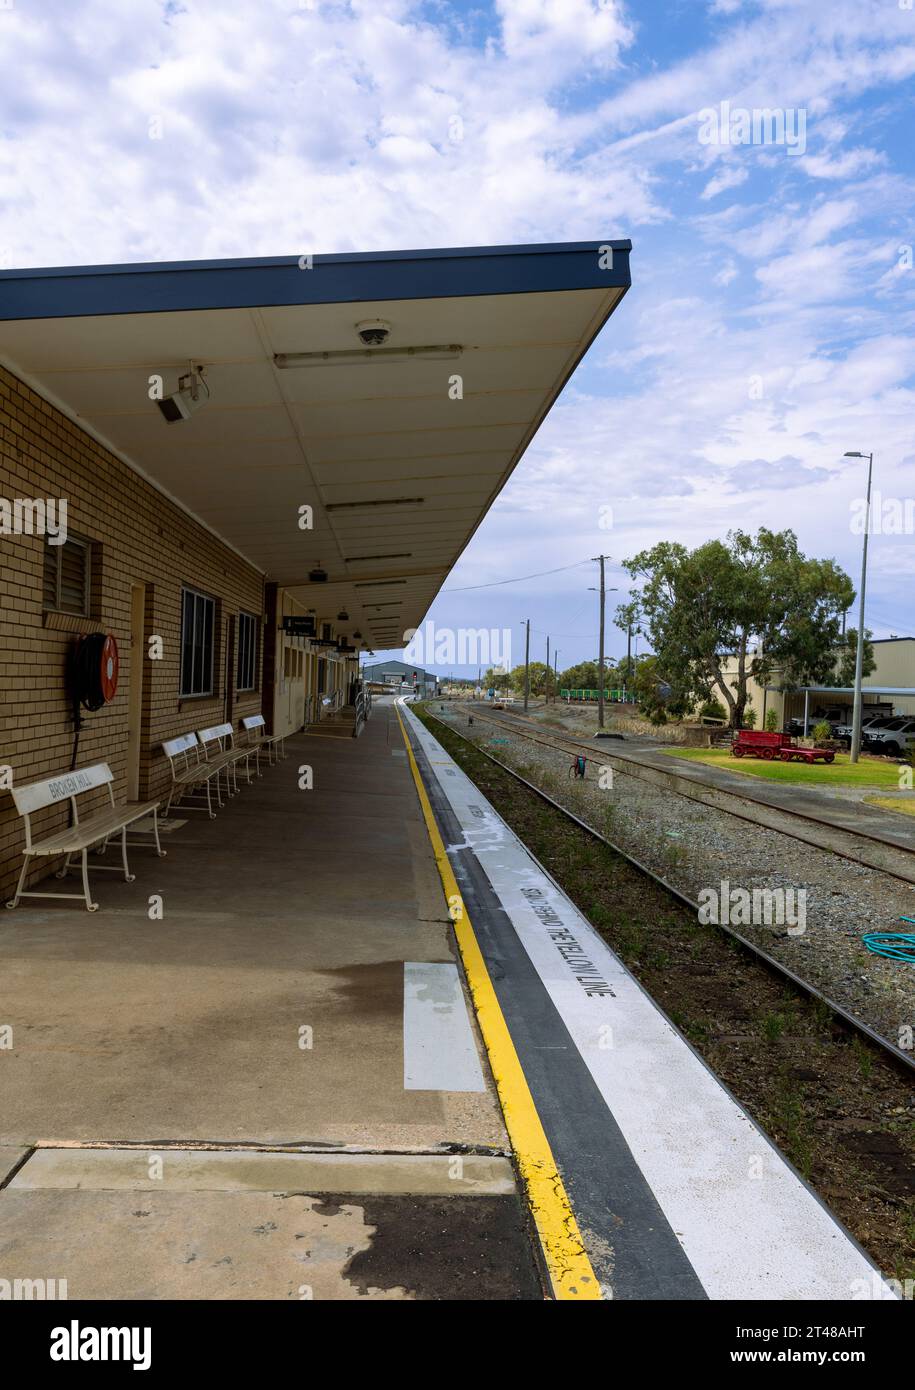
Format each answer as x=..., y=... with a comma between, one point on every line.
x=731, y=176
x=366, y=124
x=843, y=166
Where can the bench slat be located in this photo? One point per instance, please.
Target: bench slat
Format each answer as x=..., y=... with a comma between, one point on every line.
x=94, y=828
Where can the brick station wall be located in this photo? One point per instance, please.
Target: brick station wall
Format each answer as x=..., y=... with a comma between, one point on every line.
x=138, y=537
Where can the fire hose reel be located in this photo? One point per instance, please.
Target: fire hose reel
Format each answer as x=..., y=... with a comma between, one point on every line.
x=94, y=671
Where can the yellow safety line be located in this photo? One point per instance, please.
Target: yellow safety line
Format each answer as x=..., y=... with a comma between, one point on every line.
x=569, y=1268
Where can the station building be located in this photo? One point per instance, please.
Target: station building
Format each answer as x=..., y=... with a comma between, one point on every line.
x=393, y=674
x=248, y=473
x=890, y=688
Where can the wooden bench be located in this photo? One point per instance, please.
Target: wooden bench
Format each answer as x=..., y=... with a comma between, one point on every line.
x=80, y=835
x=219, y=751
x=275, y=744
x=191, y=775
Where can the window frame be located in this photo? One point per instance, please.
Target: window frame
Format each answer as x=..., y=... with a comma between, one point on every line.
x=58, y=550
x=252, y=622
x=200, y=600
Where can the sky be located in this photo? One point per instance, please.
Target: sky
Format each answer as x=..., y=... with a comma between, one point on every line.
x=769, y=325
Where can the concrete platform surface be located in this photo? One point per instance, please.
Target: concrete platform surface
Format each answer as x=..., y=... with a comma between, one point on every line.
x=299, y=989
x=271, y=1245
x=240, y=1170
x=267, y=1004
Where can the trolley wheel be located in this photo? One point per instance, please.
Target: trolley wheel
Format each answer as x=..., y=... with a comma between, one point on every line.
x=785, y=757
x=737, y=752
x=830, y=758
x=767, y=753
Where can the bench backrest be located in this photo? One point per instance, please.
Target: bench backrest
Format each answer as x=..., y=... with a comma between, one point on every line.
x=179, y=751
x=220, y=734
x=173, y=747
x=66, y=785
x=253, y=721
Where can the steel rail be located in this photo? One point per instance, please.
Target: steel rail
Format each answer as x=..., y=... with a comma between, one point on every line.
x=725, y=793
x=848, y=1020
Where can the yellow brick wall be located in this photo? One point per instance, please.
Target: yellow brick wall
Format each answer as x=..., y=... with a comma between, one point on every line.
x=139, y=537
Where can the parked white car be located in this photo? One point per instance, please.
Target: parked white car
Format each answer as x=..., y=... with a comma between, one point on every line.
x=896, y=737
x=869, y=722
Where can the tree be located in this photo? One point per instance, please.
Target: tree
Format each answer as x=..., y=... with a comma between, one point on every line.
x=845, y=663
x=628, y=617
x=756, y=602
x=584, y=676
x=655, y=695
x=538, y=678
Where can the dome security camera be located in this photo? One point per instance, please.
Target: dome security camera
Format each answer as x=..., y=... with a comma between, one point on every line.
x=373, y=332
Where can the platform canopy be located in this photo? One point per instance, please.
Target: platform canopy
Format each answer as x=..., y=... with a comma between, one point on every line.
x=398, y=449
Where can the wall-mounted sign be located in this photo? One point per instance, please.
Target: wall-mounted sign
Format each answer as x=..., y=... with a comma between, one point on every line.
x=298, y=625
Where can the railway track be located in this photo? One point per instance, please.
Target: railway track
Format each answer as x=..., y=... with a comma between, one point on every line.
x=870, y=851
x=847, y=1020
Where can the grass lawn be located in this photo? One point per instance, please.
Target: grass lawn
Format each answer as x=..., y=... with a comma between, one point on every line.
x=841, y=773
x=891, y=803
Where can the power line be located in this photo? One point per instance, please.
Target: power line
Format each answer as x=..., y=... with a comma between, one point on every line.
x=520, y=580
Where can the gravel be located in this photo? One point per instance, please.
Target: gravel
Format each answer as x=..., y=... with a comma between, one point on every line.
x=696, y=847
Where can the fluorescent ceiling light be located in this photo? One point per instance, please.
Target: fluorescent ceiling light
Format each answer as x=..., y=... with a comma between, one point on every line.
x=392, y=555
x=375, y=502
x=360, y=357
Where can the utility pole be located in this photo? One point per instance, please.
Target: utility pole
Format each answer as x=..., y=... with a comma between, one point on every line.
x=859, y=652
x=547, y=674
x=527, y=663
x=555, y=672
x=600, y=659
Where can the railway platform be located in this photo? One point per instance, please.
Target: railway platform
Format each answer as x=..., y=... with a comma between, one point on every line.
x=369, y=1050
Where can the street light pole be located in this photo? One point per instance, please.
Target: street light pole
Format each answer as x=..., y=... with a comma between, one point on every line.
x=527, y=663
x=859, y=651
x=600, y=658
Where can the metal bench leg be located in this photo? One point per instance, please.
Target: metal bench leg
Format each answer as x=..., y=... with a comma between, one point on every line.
x=90, y=905
x=62, y=873
x=159, y=850
x=128, y=876
x=210, y=800
x=14, y=900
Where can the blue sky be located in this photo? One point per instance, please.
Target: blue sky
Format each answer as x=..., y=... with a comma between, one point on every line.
x=769, y=327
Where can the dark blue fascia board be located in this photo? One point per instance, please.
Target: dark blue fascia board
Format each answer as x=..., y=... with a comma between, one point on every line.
x=175, y=286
